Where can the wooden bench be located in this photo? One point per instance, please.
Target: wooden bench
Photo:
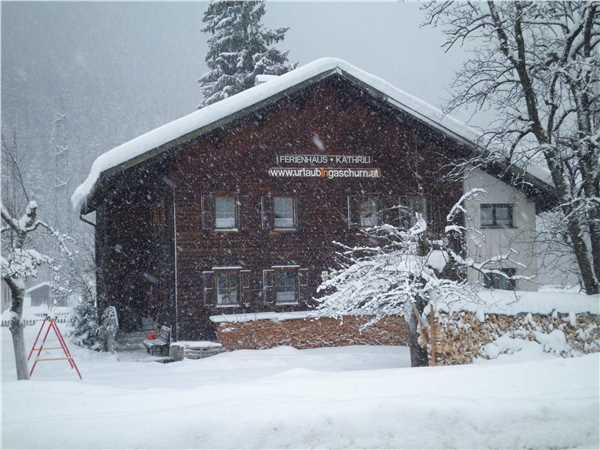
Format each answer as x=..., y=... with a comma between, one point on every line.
x=160, y=345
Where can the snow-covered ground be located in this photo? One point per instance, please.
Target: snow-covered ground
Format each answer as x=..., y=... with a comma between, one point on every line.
x=285, y=398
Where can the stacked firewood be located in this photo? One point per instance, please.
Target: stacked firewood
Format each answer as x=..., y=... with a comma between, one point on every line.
x=459, y=337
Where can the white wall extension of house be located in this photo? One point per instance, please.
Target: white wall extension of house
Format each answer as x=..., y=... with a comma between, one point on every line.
x=486, y=241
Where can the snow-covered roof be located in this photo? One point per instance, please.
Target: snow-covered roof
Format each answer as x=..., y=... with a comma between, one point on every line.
x=217, y=111
x=37, y=286
x=210, y=114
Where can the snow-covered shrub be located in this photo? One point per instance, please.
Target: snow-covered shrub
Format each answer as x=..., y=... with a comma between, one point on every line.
x=84, y=326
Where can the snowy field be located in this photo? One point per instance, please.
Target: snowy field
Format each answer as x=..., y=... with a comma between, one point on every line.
x=351, y=397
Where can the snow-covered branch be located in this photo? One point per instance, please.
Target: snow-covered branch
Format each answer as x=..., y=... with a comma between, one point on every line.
x=537, y=64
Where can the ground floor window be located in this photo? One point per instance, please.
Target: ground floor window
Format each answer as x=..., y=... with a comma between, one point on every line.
x=369, y=212
x=408, y=207
x=285, y=286
x=499, y=281
x=228, y=288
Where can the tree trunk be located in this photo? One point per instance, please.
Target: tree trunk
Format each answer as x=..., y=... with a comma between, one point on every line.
x=574, y=227
x=581, y=255
x=418, y=354
x=17, y=290
x=595, y=238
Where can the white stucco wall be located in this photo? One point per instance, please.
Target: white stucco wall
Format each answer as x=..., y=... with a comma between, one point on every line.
x=488, y=242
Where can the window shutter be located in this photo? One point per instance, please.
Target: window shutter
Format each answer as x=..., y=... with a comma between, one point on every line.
x=210, y=295
x=353, y=209
x=266, y=212
x=245, y=286
x=303, y=294
x=208, y=211
x=297, y=213
x=238, y=207
x=268, y=288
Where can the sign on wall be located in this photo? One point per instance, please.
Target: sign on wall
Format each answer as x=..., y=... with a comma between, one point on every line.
x=324, y=166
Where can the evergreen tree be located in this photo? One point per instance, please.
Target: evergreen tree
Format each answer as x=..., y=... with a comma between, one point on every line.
x=84, y=326
x=239, y=48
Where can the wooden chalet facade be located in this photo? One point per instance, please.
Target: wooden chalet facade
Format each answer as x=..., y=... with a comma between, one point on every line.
x=239, y=215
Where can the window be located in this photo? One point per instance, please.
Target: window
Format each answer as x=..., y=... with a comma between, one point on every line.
x=496, y=215
x=228, y=288
x=369, y=213
x=499, y=281
x=283, y=209
x=225, y=212
x=408, y=207
x=158, y=214
x=285, y=286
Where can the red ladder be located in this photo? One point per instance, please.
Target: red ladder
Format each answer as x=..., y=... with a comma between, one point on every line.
x=51, y=321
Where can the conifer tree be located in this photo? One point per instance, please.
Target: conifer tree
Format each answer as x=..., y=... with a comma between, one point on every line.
x=239, y=48
x=84, y=326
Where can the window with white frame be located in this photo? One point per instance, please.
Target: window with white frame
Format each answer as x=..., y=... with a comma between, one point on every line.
x=225, y=212
x=369, y=212
x=228, y=287
x=285, y=286
x=284, y=212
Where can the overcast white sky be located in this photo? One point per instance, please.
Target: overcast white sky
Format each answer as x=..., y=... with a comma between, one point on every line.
x=119, y=69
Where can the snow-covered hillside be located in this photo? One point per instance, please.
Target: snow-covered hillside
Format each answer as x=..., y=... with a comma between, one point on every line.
x=285, y=398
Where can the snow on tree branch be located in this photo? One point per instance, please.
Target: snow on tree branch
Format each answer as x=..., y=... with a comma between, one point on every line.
x=538, y=65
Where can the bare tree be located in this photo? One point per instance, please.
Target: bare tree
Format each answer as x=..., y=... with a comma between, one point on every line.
x=537, y=65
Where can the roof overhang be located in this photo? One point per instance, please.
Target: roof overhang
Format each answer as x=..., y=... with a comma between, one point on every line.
x=220, y=114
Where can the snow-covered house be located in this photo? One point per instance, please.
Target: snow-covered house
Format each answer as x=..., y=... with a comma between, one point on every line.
x=39, y=295
x=234, y=207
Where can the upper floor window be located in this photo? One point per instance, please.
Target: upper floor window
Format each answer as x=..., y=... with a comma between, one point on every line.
x=500, y=281
x=228, y=287
x=496, y=215
x=285, y=286
x=369, y=212
x=159, y=216
x=284, y=212
x=225, y=212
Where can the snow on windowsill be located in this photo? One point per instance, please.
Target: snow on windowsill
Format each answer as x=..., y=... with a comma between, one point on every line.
x=544, y=301
x=275, y=316
x=198, y=344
